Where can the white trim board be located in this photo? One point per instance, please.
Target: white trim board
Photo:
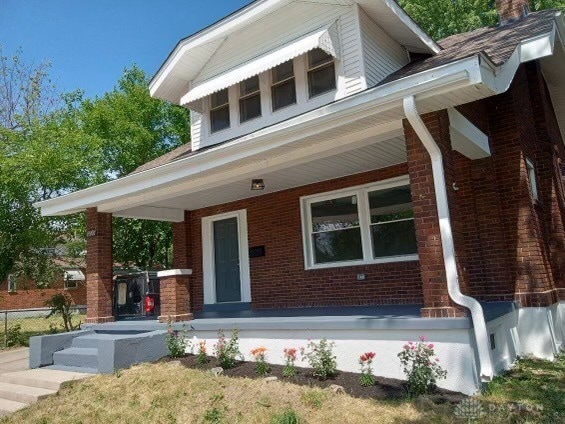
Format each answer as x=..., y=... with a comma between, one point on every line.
x=208, y=267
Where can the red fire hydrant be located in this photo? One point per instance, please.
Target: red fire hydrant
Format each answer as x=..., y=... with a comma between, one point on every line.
x=149, y=305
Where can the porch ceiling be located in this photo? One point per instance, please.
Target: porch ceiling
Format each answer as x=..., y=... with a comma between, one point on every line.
x=374, y=154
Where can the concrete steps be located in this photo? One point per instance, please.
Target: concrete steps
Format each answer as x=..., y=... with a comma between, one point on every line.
x=23, y=394
x=8, y=407
x=81, y=370
x=82, y=357
x=21, y=388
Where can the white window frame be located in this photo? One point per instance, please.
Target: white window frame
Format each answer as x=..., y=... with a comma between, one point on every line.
x=208, y=264
x=70, y=287
x=248, y=95
x=12, y=284
x=363, y=208
x=533, y=179
x=273, y=84
x=211, y=109
x=331, y=62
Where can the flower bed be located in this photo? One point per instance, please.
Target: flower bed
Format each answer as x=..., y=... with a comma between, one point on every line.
x=384, y=388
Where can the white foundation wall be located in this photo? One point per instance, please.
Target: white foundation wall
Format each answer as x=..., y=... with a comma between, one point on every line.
x=454, y=348
x=537, y=332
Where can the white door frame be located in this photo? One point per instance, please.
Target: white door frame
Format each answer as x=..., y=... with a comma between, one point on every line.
x=208, y=263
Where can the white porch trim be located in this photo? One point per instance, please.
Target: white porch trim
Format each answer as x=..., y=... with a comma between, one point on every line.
x=208, y=265
x=173, y=272
x=466, y=138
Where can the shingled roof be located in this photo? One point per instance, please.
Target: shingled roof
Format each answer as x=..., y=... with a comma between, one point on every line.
x=497, y=43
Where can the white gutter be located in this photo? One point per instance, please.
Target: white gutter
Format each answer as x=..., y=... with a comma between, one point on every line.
x=453, y=288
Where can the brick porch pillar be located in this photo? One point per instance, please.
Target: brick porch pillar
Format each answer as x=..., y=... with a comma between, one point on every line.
x=99, y=267
x=437, y=303
x=175, y=283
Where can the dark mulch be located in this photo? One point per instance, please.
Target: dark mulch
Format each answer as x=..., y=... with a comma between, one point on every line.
x=384, y=388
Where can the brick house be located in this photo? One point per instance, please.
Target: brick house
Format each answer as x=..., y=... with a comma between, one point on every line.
x=351, y=178
x=19, y=293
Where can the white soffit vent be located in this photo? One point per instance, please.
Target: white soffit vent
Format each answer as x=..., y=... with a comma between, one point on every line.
x=326, y=38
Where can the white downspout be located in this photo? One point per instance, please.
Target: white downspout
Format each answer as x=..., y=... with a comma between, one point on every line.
x=453, y=287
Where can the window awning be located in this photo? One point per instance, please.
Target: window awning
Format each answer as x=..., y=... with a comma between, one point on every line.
x=325, y=38
x=74, y=275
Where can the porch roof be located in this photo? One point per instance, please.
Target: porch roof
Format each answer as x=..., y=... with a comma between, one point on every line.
x=369, y=120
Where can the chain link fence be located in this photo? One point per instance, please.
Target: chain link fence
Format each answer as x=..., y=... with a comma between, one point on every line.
x=18, y=325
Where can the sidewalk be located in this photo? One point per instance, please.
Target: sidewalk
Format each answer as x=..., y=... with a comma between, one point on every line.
x=14, y=360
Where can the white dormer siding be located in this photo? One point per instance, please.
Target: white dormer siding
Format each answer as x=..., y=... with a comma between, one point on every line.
x=382, y=55
x=363, y=61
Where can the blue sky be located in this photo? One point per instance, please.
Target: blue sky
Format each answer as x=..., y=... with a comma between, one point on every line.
x=90, y=42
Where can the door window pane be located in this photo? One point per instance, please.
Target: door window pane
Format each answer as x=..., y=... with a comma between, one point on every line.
x=393, y=231
x=336, y=233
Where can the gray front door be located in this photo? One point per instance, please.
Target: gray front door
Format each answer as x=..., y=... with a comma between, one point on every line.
x=226, y=260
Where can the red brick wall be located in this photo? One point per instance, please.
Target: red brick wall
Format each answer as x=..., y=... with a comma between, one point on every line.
x=279, y=279
x=27, y=296
x=99, y=267
x=513, y=247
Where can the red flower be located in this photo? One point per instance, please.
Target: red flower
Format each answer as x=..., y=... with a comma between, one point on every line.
x=368, y=356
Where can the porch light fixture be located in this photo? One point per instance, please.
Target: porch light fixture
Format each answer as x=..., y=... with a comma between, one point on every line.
x=257, y=184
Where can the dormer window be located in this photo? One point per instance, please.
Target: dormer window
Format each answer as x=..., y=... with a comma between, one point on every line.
x=220, y=111
x=321, y=73
x=249, y=99
x=283, y=89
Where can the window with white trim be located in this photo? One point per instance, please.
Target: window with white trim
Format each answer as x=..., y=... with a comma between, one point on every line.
x=370, y=224
x=321, y=73
x=219, y=111
x=249, y=99
x=283, y=88
x=71, y=284
x=532, y=177
x=12, y=283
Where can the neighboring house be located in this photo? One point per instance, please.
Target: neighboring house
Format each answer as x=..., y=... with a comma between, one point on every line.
x=351, y=178
x=20, y=293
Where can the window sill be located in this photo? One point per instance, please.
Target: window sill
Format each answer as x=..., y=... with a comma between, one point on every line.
x=391, y=259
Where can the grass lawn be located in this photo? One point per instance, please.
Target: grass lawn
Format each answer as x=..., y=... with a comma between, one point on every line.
x=170, y=393
x=33, y=326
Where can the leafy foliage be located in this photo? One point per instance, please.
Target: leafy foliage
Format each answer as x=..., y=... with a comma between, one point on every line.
x=227, y=350
x=52, y=144
x=177, y=342
x=61, y=304
x=442, y=18
x=421, y=370
x=321, y=358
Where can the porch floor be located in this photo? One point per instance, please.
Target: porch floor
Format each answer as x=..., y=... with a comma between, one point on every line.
x=380, y=317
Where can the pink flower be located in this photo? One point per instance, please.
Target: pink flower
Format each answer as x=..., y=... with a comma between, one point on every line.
x=410, y=343
x=406, y=347
x=431, y=345
x=437, y=359
x=423, y=338
x=413, y=347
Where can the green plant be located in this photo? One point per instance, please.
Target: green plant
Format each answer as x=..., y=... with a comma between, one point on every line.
x=290, y=355
x=214, y=415
x=14, y=336
x=261, y=366
x=421, y=371
x=366, y=362
x=286, y=417
x=227, y=350
x=321, y=358
x=177, y=341
x=201, y=356
x=61, y=304
x=314, y=398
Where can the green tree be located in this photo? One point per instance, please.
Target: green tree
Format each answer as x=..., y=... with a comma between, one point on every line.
x=442, y=18
x=134, y=128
